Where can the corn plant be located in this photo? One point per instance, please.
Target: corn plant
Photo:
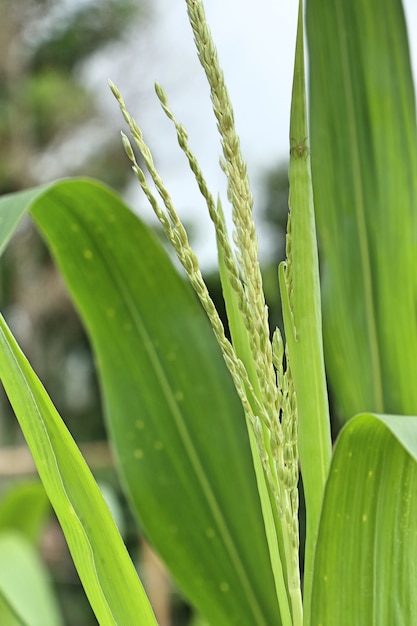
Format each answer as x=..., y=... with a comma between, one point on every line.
x=209, y=432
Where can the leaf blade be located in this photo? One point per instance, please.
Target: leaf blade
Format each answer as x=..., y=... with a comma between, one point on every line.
x=301, y=306
x=24, y=584
x=364, y=160
x=87, y=524
x=160, y=363
x=367, y=539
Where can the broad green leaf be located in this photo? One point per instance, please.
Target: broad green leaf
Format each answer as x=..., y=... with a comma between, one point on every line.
x=364, y=160
x=174, y=416
x=366, y=559
x=300, y=296
x=24, y=585
x=105, y=569
x=24, y=507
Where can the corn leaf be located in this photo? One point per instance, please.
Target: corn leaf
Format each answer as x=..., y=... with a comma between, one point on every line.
x=92, y=536
x=174, y=417
x=26, y=593
x=366, y=558
x=364, y=162
x=300, y=296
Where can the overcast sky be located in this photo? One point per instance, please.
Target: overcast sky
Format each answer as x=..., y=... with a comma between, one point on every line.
x=256, y=50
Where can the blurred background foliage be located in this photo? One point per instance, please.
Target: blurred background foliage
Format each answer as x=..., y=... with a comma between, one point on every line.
x=43, y=103
x=48, y=114
x=43, y=106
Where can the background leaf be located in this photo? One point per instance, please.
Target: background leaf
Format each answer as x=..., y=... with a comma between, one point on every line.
x=25, y=508
x=8, y=616
x=364, y=162
x=24, y=585
x=365, y=566
x=174, y=416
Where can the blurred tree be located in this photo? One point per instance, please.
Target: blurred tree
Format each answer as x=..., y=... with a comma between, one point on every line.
x=43, y=44
x=43, y=105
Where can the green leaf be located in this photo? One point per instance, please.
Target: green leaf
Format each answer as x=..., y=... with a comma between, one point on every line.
x=105, y=569
x=300, y=296
x=364, y=160
x=365, y=565
x=175, y=419
x=25, y=507
x=24, y=586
